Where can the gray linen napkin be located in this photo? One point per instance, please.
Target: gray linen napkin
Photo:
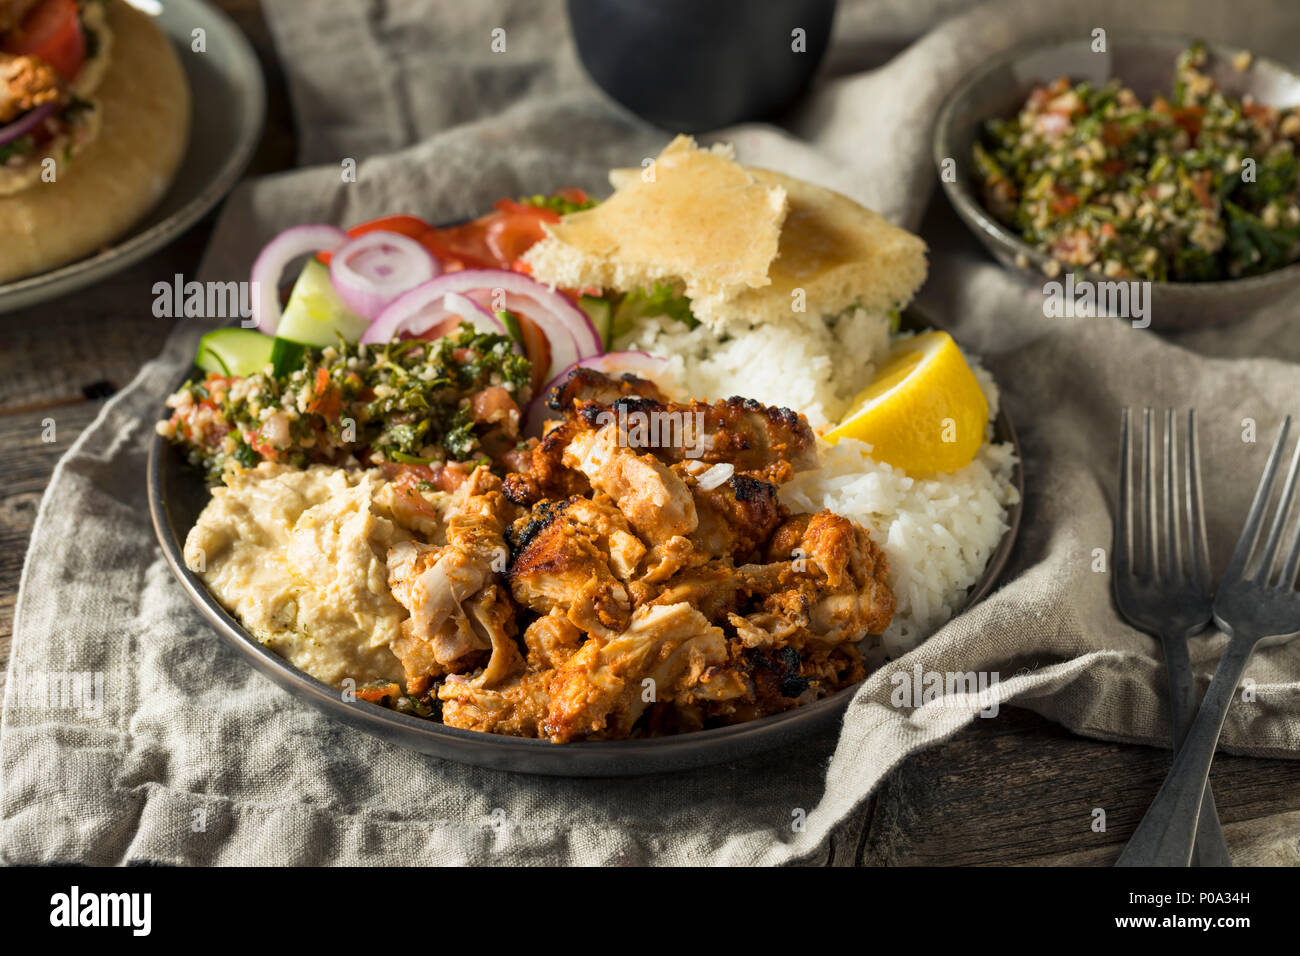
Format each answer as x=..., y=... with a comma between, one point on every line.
x=192, y=757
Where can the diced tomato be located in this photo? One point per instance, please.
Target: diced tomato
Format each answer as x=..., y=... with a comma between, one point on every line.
x=1189, y=118
x=261, y=446
x=51, y=31
x=407, y=478
x=492, y=405
x=411, y=226
x=1200, y=183
x=326, y=399
x=376, y=695
x=1065, y=204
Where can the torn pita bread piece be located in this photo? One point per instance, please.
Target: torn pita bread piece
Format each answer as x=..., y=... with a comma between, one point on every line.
x=694, y=218
x=838, y=252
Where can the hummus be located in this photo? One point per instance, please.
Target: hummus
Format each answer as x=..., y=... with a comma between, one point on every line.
x=299, y=556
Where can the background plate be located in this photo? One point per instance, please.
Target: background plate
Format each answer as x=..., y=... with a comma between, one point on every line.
x=229, y=105
x=176, y=496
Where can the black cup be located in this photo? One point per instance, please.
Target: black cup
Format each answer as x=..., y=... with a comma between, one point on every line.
x=692, y=65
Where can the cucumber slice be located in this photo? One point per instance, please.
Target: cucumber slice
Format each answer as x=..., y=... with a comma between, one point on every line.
x=601, y=313
x=315, y=315
x=234, y=352
x=286, y=356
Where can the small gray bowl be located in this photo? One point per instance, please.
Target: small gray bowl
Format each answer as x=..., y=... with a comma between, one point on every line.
x=1145, y=64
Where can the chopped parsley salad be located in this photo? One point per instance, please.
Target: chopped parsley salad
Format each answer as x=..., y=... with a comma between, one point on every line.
x=402, y=346
x=1196, y=187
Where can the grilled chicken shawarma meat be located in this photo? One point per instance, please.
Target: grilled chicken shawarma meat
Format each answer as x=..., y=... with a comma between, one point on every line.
x=516, y=709
x=758, y=441
x=736, y=518
x=457, y=608
x=547, y=477
x=589, y=387
x=601, y=689
x=654, y=499
x=660, y=586
x=573, y=556
x=26, y=83
x=839, y=583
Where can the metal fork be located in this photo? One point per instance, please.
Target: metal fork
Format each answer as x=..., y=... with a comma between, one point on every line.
x=1166, y=591
x=1261, y=605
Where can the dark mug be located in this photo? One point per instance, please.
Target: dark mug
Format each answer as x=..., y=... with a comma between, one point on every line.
x=692, y=65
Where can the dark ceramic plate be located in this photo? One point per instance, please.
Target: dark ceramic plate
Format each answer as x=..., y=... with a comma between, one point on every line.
x=228, y=104
x=1144, y=63
x=176, y=496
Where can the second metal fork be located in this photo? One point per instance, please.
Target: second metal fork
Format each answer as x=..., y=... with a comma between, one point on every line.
x=1257, y=601
x=1164, y=590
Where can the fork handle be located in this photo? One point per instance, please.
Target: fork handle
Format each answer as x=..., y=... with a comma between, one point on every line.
x=1211, y=848
x=1168, y=831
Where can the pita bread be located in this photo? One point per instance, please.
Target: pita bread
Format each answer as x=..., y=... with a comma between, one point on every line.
x=119, y=177
x=838, y=252
x=698, y=220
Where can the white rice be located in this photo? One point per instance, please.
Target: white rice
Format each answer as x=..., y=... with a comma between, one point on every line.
x=937, y=532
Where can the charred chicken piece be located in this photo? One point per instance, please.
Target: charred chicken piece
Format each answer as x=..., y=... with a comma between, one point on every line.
x=568, y=556
x=736, y=517
x=600, y=690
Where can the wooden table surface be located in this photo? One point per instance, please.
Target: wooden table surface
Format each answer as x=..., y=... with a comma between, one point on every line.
x=1015, y=789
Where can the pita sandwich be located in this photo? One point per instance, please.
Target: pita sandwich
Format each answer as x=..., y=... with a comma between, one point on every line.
x=109, y=153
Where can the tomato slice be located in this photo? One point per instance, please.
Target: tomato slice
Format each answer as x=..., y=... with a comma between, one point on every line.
x=51, y=31
x=494, y=241
x=411, y=226
x=538, y=349
x=514, y=229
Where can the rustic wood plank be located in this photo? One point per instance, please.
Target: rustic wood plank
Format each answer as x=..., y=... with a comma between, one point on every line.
x=1018, y=789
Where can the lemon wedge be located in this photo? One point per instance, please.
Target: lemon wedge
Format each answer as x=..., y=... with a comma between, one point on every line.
x=924, y=412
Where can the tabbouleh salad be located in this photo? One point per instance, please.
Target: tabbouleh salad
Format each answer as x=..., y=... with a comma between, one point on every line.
x=408, y=403
x=1098, y=181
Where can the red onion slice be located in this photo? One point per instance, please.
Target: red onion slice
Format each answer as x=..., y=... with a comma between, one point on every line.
x=26, y=123
x=278, y=253
x=568, y=330
x=372, y=270
x=641, y=364
x=424, y=307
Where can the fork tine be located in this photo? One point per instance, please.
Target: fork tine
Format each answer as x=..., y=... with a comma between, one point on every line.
x=1122, y=559
x=1173, y=541
x=1151, y=570
x=1198, y=548
x=1287, y=578
x=1250, y=531
x=1279, y=520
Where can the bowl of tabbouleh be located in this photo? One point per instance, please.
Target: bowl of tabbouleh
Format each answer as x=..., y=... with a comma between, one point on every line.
x=1160, y=160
